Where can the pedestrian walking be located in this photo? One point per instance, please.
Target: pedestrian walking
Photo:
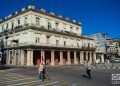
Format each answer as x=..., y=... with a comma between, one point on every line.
x=45, y=72
x=88, y=69
x=41, y=73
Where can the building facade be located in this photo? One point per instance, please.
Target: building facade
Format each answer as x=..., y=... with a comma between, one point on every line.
x=32, y=36
x=100, y=40
x=112, y=48
x=108, y=48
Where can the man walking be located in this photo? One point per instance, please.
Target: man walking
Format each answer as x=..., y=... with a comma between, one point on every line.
x=41, y=74
x=88, y=68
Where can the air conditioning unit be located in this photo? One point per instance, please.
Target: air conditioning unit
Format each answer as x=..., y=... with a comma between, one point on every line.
x=31, y=7
x=16, y=12
x=67, y=18
x=51, y=13
x=23, y=9
x=60, y=16
x=9, y=15
x=43, y=10
x=79, y=22
x=6, y=17
x=74, y=21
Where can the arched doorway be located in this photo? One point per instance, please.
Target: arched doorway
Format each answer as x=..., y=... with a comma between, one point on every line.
x=64, y=57
x=57, y=57
x=47, y=57
x=36, y=57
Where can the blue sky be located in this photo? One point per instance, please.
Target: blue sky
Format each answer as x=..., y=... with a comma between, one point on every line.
x=95, y=15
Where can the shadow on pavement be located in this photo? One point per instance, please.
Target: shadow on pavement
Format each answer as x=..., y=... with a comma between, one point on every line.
x=85, y=76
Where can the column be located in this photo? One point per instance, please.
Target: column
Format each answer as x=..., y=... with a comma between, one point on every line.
x=8, y=58
x=29, y=57
x=86, y=55
x=81, y=57
x=90, y=57
x=19, y=58
x=14, y=57
x=94, y=56
x=102, y=58
x=52, y=58
x=43, y=56
x=61, y=58
x=68, y=57
x=22, y=57
x=75, y=58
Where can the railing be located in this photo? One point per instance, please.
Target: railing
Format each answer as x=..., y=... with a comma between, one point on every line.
x=39, y=44
x=21, y=27
x=48, y=45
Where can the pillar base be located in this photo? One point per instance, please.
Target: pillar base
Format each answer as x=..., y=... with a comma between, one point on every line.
x=75, y=62
x=29, y=64
x=52, y=63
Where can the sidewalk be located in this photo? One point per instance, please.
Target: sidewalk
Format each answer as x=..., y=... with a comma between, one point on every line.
x=98, y=65
x=107, y=65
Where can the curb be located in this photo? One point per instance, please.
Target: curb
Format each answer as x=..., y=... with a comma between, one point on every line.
x=106, y=67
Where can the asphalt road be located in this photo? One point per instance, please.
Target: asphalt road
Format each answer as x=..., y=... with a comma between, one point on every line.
x=72, y=75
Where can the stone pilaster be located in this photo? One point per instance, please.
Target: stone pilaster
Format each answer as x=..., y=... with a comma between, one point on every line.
x=43, y=56
x=68, y=57
x=94, y=56
x=90, y=57
x=52, y=57
x=29, y=57
x=61, y=58
x=81, y=57
x=75, y=58
x=102, y=58
x=22, y=57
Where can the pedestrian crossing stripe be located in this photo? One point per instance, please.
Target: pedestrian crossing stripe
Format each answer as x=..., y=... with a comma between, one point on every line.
x=18, y=80
x=23, y=83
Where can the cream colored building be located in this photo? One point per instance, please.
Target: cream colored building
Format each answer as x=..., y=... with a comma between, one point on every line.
x=32, y=36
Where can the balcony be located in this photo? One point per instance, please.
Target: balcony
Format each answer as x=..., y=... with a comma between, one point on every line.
x=40, y=44
x=39, y=28
x=28, y=44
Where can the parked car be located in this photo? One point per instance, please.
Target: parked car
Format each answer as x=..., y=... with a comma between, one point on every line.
x=117, y=60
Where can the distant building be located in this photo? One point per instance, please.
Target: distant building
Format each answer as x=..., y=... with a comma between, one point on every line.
x=112, y=48
x=100, y=39
x=32, y=36
x=107, y=47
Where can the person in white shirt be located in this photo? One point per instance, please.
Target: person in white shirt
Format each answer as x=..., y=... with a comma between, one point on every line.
x=88, y=68
x=41, y=75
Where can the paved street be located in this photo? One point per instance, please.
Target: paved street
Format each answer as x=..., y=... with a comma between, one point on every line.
x=59, y=76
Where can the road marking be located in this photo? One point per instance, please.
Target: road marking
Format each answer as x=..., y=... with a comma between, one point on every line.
x=94, y=67
x=50, y=83
x=108, y=67
x=74, y=84
x=17, y=80
x=113, y=67
x=103, y=67
x=24, y=83
x=98, y=67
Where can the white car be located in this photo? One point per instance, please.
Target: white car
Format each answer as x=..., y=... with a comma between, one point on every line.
x=117, y=60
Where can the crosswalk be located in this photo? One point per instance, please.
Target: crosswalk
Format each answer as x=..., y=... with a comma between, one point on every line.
x=14, y=79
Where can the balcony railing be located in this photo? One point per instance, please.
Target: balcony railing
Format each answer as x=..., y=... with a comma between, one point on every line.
x=28, y=26
x=47, y=45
